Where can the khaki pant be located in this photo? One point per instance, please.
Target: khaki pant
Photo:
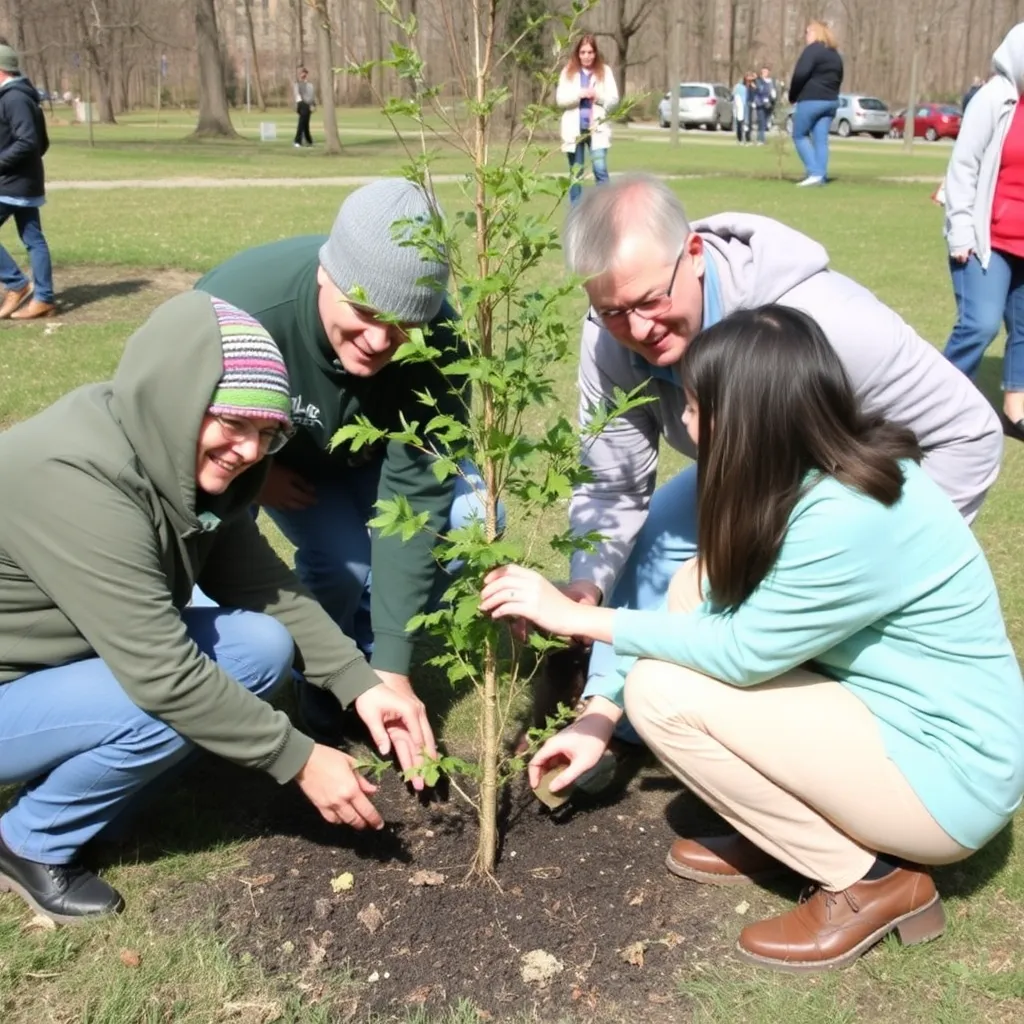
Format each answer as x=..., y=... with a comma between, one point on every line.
x=797, y=765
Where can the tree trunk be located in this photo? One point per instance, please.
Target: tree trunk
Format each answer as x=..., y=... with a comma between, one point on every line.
x=332, y=144
x=214, y=118
x=908, y=121
x=257, y=81
x=300, y=41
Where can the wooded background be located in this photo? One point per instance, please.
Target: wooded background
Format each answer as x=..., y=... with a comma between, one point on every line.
x=120, y=51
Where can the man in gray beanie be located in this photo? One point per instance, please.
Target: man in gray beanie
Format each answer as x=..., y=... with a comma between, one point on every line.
x=338, y=308
x=23, y=141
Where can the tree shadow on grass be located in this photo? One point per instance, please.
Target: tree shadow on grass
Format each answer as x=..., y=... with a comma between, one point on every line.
x=77, y=296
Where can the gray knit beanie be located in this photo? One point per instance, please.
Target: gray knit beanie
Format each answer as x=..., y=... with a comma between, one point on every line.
x=364, y=250
x=9, y=60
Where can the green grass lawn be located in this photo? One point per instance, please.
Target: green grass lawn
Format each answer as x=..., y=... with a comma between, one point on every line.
x=121, y=251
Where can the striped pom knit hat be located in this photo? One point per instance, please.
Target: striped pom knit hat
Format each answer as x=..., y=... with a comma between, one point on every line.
x=255, y=379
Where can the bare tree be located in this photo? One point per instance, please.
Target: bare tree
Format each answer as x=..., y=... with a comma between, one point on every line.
x=214, y=118
x=627, y=21
x=322, y=20
x=254, y=53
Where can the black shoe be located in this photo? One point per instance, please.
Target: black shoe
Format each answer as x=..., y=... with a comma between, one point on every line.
x=1012, y=428
x=66, y=893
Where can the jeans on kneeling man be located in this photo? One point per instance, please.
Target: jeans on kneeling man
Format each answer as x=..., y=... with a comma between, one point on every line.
x=332, y=558
x=667, y=539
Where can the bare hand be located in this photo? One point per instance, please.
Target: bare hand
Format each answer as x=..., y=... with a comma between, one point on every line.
x=286, y=490
x=579, y=746
x=397, y=720
x=513, y=591
x=961, y=256
x=337, y=790
x=589, y=93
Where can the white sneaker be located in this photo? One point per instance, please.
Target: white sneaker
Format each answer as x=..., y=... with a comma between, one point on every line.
x=297, y=145
x=811, y=179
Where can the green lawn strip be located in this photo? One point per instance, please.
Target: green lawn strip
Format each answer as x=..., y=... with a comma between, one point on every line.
x=886, y=236
x=137, y=148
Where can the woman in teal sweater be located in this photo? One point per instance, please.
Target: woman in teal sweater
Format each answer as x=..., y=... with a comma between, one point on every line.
x=832, y=675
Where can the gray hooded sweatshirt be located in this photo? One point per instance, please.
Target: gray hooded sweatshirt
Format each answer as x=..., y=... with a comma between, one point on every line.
x=894, y=372
x=974, y=163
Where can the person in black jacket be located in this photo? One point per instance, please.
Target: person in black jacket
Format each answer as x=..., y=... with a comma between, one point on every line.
x=814, y=89
x=23, y=141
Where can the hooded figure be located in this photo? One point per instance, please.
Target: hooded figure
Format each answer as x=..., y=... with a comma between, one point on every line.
x=984, y=201
x=118, y=499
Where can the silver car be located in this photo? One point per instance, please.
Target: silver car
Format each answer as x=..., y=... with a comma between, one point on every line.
x=701, y=104
x=858, y=114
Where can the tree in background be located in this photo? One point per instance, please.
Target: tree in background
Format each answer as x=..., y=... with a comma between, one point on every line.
x=214, y=118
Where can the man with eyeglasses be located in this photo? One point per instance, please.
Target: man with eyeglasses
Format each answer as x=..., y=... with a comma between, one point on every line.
x=338, y=307
x=654, y=281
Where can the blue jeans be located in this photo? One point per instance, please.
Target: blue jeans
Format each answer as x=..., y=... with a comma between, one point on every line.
x=85, y=751
x=598, y=163
x=811, y=119
x=762, y=123
x=984, y=300
x=332, y=541
x=667, y=539
x=26, y=219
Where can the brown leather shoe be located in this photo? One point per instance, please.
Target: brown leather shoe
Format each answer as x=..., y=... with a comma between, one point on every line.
x=721, y=860
x=33, y=310
x=13, y=299
x=832, y=929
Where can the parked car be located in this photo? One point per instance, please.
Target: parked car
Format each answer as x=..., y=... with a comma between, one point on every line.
x=857, y=114
x=931, y=121
x=701, y=104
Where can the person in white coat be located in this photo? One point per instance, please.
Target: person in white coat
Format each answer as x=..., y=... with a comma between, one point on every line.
x=587, y=93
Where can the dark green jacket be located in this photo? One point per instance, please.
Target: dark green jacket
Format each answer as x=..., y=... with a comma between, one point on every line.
x=277, y=284
x=102, y=537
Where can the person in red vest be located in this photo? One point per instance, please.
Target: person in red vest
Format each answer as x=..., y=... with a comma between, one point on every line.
x=984, y=198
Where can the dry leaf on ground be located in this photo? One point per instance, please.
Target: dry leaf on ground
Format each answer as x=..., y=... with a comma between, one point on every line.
x=343, y=882
x=634, y=953
x=426, y=878
x=130, y=958
x=370, y=917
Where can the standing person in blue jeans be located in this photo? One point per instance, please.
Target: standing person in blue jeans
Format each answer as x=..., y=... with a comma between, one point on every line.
x=814, y=89
x=985, y=227
x=764, y=100
x=339, y=307
x=23, y=143
x=587, y=92
x=118, y=499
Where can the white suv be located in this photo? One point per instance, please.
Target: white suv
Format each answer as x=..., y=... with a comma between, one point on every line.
x=701, y=104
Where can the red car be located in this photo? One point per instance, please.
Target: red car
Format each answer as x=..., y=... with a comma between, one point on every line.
x=932, y=121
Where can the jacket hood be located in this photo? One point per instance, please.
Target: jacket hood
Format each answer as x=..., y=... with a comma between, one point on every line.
x=21, y=84
x=758, y=259
x=1008, y=60
x=159, y=396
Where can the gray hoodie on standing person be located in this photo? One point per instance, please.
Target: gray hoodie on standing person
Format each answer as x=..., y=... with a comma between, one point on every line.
x=895, y=373
x=974, y=163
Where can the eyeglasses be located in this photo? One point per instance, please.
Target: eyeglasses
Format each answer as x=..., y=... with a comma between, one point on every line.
x=270, y=440
x=649, y=309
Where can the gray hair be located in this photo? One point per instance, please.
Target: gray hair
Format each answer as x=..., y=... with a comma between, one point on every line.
x=630, y=204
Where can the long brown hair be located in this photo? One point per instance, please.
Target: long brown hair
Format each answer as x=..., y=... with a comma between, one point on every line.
x=573, y=67
x=775, y=411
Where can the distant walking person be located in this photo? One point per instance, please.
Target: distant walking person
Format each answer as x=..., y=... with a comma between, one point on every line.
x=23, y=141
x=739, y=110
x=305, y=101
x=587, y=92
x=985, y=227
x=814, y=88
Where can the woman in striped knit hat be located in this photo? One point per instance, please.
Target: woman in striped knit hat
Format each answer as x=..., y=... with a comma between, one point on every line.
x=118, y=499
